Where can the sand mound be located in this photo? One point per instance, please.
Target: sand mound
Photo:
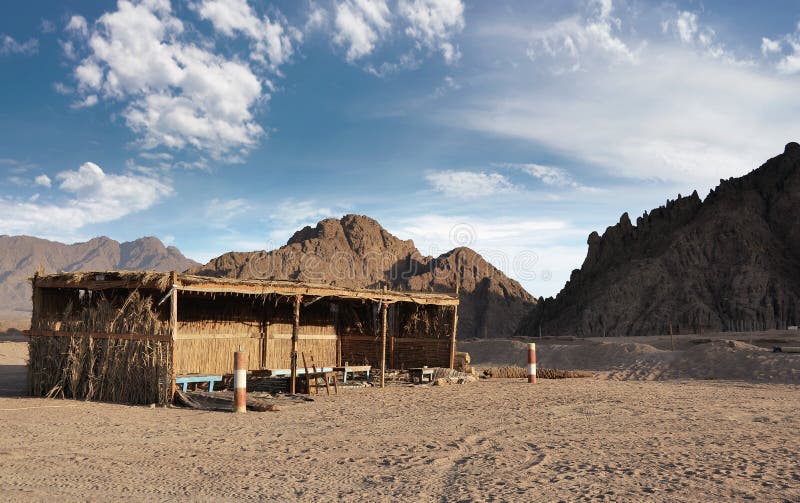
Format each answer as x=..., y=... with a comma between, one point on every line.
x=715, y=359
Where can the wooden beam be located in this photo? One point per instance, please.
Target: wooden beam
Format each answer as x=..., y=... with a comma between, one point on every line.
x=384, y=309
x=295, y=333
x=173, y=331
x=256, y=289
x=98, y=335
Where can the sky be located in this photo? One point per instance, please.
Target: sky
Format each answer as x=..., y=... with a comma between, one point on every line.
x=514, y=127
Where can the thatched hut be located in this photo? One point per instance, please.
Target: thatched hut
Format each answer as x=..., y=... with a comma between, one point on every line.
x=126, y=336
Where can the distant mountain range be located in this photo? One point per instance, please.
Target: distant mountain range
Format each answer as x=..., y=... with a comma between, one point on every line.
x=355, y=251
x=729, y=262
x=21, y=257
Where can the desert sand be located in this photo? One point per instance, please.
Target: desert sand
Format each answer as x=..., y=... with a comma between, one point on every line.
x=601, y=438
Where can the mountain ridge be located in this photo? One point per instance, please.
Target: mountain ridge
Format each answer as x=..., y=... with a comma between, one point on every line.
x=356, y=251
x=728, y=262
x=21, y=256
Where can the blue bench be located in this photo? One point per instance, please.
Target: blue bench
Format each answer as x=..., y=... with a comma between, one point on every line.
x=186, y=379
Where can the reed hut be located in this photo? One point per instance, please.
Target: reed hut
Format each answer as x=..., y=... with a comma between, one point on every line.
x=126, y=336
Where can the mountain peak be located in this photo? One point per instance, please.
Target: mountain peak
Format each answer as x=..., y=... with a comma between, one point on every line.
x=356, y=251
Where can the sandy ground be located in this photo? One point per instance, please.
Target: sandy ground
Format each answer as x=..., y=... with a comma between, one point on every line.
x=501, y=440
x=613, y=437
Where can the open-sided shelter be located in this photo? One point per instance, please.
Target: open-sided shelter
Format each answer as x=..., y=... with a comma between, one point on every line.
x=125, y=336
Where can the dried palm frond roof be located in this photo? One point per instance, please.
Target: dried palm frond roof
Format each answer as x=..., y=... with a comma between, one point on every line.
x=104, y=280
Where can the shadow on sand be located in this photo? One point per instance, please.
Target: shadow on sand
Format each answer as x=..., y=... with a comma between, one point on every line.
x=13, y=371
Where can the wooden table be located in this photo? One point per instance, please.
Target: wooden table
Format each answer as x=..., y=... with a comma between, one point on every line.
x=353, y=369
x=418, y=374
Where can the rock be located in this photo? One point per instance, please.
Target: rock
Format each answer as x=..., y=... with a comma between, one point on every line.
x=729, y=262
x=355, y=251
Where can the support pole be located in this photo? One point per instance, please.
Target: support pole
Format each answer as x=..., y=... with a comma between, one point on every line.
x=532, y=363
x=384, y=309
x=240, y=381
x=173, y=331
x=295, y=332
x=455, y=327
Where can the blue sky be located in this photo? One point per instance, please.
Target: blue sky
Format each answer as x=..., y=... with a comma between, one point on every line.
x=514, y=127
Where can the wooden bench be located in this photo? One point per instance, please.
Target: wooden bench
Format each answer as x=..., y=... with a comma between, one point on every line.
x=418, y=374
x=184, y=380
x=353, y=369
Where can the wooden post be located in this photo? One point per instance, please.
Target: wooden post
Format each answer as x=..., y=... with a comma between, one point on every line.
x=453, y=333
x=173, y=329
x=37, y=301
x=240, y=381
x=295, y=332
x=384, y=308
x=532, y=363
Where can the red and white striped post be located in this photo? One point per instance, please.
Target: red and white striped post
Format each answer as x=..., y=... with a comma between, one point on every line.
x=240, y=381
x=532, y=363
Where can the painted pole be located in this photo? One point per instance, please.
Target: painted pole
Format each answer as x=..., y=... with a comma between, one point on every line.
x=240, y=381
x=532, y=363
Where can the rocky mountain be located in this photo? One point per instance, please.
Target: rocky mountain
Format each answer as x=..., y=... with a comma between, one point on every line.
x=729, y=262
x=21, y=256
x=356, y=251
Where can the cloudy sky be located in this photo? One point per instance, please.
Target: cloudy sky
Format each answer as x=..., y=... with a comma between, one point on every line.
x=513, y=127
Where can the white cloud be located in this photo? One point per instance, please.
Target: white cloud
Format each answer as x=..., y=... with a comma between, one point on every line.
x=178, y=94
x=575, y=41
x=47, y=26
x=317, y=17
x=769, y=46
x=272, y=39
x=549, y=175
x=10, y=46
x=220, y=213
x=293, y=213
x=525, y=249
x=359, y=24
x=78, y=24
x=87, y=102
x=43, y=180
x=62, y=88
x=90, y=196
x=467, y=184
x=678, y=114
x=787, y=49
x=432, y=23
x=689, y=30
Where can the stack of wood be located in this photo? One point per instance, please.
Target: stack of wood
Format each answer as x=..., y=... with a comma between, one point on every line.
x=542, y=373
x=461, y=363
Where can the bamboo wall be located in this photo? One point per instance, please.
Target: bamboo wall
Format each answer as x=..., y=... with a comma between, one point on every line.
x=107, y=346
x=210, y=329
x=409, y=353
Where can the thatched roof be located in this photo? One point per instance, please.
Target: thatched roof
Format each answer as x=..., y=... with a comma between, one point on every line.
x=103, y=280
